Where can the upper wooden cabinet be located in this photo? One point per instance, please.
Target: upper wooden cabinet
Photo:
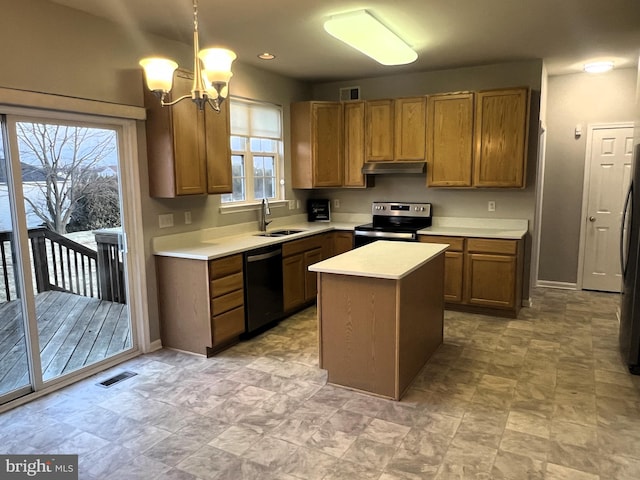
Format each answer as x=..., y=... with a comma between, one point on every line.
x=478, y=140
x=500, y=136
x=379, y=134
x=188, y=150
x=409, y=132
x=450, y=140
x=354, y=128
x=218, y=148
x=316, y=144
x=395, y=129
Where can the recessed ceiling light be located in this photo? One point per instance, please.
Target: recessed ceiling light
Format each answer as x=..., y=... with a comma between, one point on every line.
x=598, y=67
x=365, y=33
x=266, y=56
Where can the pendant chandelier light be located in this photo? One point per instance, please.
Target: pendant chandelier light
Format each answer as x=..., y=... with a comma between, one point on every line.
x=211, y=73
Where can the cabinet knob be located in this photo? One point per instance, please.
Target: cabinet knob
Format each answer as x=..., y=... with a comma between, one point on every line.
x=592, y=218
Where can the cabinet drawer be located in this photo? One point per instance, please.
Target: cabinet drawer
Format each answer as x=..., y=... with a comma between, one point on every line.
x=485, y=245
x=456, y=244
x=224, y=285
x=225, y=266
x=227, y=326
x=302, y=245
x=227, y=302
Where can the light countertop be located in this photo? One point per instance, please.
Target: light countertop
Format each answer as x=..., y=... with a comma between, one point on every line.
x=508, y=229
x=219, y=242
x=381, y=259
x=208, y=247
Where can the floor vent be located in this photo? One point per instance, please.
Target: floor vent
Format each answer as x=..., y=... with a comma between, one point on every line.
x=118, y=378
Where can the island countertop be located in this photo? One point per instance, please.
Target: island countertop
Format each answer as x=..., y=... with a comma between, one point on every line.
x=381, y=259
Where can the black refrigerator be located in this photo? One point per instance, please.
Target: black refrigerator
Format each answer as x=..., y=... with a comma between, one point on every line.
x=630, y=263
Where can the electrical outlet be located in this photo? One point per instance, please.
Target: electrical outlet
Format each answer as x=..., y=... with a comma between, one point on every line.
x=491, y=206
x=298, y=204
x=336, y=203
x=166, y=220
x=187, y=218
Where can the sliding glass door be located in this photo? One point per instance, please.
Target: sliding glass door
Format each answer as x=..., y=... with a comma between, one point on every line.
x=15, y=378
x=66, y=184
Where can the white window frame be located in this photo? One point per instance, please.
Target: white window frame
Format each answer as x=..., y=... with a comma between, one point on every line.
x=250, y=201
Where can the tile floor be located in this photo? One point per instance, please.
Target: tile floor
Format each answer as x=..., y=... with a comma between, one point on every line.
x=542, y=397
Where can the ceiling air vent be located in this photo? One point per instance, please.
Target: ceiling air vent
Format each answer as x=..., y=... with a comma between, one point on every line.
x=349, y=93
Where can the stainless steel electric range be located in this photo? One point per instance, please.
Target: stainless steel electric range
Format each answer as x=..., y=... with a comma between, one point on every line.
x=394, y=221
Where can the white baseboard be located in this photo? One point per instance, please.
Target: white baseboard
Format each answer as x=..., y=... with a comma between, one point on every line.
x=560, y=285
x=155, y=346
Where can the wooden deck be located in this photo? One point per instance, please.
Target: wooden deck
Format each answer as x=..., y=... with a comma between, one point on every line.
x=74, y=331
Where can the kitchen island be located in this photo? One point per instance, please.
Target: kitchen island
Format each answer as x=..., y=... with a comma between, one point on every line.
x=380, y=314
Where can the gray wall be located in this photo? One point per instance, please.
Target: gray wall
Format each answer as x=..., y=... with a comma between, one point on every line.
x=510, y=203
x=53, y=49
x=574, y=99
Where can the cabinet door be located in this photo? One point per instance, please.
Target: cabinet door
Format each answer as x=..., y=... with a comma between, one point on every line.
x=450, y=140
x=342, y=242
x=453, y=276
x=218, y=150
x=175, y=143
x=227, y=326
x=379, y=134
x=501, y=138
x=354, y=144
x=327, y=145
x=491, y=280
x=409, y=131
x=311, y=282
x=293, y=281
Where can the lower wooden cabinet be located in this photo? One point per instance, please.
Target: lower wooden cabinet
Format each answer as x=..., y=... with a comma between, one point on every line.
x=454, y=268
x=227, y=299
x=342, y=242
x=311, y=279
x=300, y=285
x=201, y=303
x=293, y=280
x=481, y=274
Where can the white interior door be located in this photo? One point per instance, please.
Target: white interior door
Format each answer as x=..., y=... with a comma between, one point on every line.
x=609, y=176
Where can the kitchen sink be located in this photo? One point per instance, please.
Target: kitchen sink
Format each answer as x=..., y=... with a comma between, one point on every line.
x=279, y=233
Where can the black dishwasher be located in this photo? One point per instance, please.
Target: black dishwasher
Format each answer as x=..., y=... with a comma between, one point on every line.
x=263, y=295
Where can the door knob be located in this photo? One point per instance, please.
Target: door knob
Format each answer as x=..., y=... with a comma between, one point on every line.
x=592, y=219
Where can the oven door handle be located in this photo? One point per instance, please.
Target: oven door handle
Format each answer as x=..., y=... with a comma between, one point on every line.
x=383, y=235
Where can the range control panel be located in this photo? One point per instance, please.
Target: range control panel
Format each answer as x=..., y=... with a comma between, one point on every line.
x=401, y=209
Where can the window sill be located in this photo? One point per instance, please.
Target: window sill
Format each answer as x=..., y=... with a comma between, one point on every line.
x=250, y=207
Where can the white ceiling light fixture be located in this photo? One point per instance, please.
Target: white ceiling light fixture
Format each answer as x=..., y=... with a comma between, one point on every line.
x=599, y=67
x=362, y=31
x=211, y=73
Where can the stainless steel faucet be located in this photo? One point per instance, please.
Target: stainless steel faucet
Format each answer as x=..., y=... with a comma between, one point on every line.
x=264, y=211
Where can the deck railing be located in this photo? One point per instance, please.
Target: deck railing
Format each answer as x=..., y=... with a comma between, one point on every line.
x=61, y=264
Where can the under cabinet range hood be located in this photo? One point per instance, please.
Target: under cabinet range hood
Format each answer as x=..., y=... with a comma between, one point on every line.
x=381, y=168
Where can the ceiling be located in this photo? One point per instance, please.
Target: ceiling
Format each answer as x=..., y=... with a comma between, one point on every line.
x=445, y=33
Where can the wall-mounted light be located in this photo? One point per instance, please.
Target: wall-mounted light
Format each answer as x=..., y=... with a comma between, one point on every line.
x=598, y=67
x=365, y=33
x=211, y=73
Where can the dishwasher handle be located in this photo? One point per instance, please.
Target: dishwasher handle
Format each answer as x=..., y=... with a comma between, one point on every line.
x=263, y=256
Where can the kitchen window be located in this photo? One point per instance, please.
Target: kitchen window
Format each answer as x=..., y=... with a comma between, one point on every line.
x=256, y=152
